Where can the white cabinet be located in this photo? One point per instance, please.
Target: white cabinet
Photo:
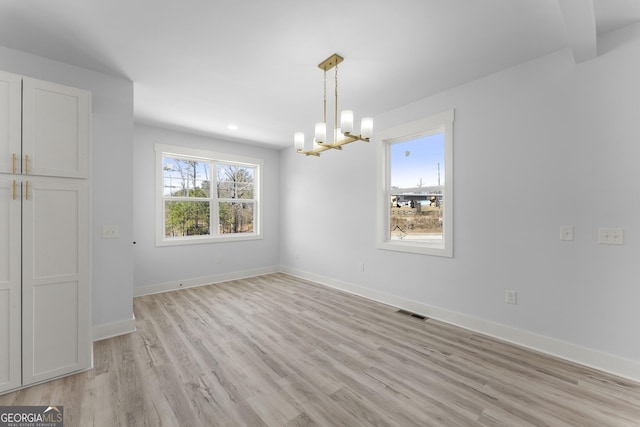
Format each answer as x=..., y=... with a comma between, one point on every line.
x=10, y=122
x=56, y=334
x=10, y=284
x=55, y=130
x=44, y=232
x=44, y=128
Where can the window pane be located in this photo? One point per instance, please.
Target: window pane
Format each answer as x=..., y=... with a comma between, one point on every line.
x=186, y=218
x=417, y=181
x=236, y=217
x=418, y=162
x=415, y=192
x=417, y=217
x=235, y=182
x=186, y=178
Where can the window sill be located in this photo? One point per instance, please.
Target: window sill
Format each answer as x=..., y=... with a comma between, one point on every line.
x=416, y=248
x=181, y=241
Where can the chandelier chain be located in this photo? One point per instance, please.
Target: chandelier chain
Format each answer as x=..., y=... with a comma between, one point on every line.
x=335, y=127
x=325, y=96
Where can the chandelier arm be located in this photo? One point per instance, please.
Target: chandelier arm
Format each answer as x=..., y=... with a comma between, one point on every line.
x=335, y=146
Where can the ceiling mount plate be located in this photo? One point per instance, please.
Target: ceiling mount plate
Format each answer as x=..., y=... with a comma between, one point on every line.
x=330, y=62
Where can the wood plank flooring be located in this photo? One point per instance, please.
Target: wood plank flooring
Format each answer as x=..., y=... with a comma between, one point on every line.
x=280, y=351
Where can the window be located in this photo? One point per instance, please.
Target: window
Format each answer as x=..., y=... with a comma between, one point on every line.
x=415, y=208
x=205, y=196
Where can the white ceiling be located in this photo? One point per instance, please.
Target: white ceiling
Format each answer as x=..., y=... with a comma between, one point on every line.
x=200, y=65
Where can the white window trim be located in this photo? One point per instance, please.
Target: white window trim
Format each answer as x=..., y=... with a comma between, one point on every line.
x=178, y=151
x=423, y=127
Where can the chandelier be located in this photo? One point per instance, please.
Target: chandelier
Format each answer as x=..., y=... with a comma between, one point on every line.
x=341, y=135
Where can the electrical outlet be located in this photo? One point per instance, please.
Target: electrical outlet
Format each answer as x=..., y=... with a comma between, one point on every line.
x=110, y=232
x=510, y=296
x=611, y=236
x=362, y=266
x=219, y=259
x=566, y=232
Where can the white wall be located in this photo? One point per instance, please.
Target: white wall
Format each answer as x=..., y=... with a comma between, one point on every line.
x=545, y=144
x=164, y=268
x=538, y=146
x=111, y=176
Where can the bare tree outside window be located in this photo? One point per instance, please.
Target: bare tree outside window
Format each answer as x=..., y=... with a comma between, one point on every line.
x=204, y=196
x=189, y=202
x=236, y=193
x=186, y=182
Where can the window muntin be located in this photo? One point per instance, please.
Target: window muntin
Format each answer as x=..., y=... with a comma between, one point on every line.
x=206, y=196
x=415, y=188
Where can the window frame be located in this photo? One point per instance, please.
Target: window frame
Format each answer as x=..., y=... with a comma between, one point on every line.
x=214, y=158
x=442, y=122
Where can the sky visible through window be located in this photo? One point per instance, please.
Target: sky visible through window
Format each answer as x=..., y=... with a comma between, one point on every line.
x=178, y=175
x=418, y=159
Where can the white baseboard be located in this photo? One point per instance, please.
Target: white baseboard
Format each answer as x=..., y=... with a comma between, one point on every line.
x=201, y=281
x=110, y=330
x=596, y=359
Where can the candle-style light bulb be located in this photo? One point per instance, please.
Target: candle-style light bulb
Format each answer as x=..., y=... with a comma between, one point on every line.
x=366, y=127
x=321, y=132
x=346, y=121
x=298, y=141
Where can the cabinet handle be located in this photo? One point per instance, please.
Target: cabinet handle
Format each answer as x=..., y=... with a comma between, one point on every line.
x=26, y=164
x=26, y=196
x=15, y=161
x=15, y=184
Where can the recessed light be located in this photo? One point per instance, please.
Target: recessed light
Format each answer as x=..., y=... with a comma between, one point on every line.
x=232, y=127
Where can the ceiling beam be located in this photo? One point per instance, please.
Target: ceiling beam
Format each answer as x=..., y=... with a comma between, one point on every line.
x=580, y=23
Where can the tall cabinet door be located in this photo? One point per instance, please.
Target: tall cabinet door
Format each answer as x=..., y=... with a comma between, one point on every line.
x=10, y=352
x=56, y=336
x=55, y=129
x=10, y=122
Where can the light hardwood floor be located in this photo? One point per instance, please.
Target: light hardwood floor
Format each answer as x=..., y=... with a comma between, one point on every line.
x=280, y=351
